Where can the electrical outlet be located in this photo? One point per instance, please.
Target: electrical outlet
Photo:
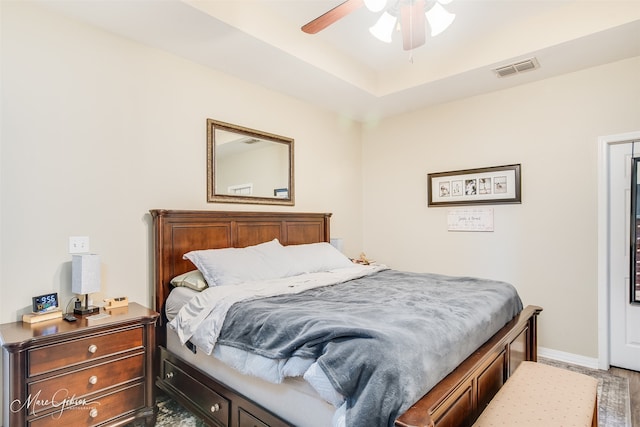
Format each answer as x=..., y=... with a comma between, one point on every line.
x=78, y=244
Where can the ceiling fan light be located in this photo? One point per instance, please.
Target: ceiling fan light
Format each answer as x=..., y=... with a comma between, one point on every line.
x=383, y=28
x=439, y=19
x=375, y=5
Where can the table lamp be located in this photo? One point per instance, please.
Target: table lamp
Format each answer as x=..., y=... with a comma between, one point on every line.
x=85, y=279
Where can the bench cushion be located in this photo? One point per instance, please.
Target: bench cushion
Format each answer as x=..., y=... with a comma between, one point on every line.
x=541, y=395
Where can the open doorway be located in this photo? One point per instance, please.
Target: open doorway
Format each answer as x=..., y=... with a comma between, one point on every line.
x=619, y=333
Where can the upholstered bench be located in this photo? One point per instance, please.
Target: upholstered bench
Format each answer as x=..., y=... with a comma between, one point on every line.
x=540, y=395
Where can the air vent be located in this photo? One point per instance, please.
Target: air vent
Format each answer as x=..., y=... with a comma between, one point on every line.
x=517, y=67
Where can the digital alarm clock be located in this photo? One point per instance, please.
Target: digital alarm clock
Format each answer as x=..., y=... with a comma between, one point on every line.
x=44, y=303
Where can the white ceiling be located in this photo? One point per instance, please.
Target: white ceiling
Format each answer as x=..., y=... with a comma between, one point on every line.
x=343, y=68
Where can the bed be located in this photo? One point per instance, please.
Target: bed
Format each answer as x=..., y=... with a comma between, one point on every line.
x=224, y=397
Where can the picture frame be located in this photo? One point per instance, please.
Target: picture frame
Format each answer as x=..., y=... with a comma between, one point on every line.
x=281, y=192
x=490, y=185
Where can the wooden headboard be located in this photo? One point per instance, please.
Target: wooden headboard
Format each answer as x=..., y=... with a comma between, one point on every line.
x=177, y=232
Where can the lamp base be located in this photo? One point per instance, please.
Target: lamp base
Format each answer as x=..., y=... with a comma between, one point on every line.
x=83, y=311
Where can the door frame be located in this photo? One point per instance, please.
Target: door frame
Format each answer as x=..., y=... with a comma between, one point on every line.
x=604, y=143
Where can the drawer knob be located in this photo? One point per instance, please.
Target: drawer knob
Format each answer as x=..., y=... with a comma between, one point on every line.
x=169, y=375
x=93, y=413
x=93, y=379
x=215, y=408
x=92, y=348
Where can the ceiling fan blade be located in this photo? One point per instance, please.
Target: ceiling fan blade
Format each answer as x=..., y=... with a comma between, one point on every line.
x=328, y=18
x=413, y=22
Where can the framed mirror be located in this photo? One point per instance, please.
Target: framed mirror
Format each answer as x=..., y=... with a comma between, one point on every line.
x=634, y=280
x=248, y=166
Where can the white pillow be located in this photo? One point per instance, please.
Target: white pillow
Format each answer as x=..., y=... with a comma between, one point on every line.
x=192, y=279
x=313, y=257
x=230, y=266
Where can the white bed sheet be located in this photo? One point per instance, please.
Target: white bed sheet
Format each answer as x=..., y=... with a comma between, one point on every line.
x=294, y=400
x=176, y=299
x=285, y=399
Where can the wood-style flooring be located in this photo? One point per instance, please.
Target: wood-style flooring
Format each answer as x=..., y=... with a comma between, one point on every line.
x=634, y=392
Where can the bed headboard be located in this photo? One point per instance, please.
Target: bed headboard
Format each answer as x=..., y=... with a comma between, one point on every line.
x=177, y=232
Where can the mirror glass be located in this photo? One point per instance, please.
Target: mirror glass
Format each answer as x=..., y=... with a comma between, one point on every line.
x=248, y=166
x=635, y=233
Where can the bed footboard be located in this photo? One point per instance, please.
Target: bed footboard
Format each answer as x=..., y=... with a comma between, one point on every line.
x=459, y=399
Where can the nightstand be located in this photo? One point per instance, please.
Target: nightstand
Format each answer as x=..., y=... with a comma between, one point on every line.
x=81, y=373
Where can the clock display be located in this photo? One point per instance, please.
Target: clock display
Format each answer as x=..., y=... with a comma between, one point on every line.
x=44, y=303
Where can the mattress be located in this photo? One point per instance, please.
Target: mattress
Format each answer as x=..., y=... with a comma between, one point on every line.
x=284, y=399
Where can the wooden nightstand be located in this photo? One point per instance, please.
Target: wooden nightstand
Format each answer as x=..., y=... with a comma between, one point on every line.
x=81, y=373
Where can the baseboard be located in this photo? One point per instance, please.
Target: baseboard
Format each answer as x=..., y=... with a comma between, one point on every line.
x=575, y=359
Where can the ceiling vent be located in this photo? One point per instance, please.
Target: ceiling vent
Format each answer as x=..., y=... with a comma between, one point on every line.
x=517, y=67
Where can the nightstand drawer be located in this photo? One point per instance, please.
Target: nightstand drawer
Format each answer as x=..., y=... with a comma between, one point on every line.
x=46, y=359
x=90, y=413
x=90, y=380
x=202, y=395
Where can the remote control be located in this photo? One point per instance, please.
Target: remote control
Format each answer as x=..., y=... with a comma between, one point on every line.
x=70, y=318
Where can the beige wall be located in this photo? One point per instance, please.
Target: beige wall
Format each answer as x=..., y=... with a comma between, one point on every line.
x=97, y=130
x=546, y=246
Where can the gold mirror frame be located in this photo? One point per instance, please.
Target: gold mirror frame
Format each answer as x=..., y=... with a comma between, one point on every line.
x=241, y=160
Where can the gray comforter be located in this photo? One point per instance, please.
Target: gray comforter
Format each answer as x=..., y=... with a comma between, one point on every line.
x=383, y=340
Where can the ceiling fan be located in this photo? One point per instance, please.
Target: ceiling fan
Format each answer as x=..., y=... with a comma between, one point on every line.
x=409, y=13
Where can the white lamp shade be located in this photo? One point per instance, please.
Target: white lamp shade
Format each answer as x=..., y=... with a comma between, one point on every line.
x=439, y=19
x=85, y=273
x=375, y=5
x=337, y=242
x=383, y=29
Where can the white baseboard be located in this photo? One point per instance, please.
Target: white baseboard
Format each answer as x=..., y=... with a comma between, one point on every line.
x=575, y=359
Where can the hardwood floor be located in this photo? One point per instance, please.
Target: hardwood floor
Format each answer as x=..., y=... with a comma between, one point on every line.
x=634, y=392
